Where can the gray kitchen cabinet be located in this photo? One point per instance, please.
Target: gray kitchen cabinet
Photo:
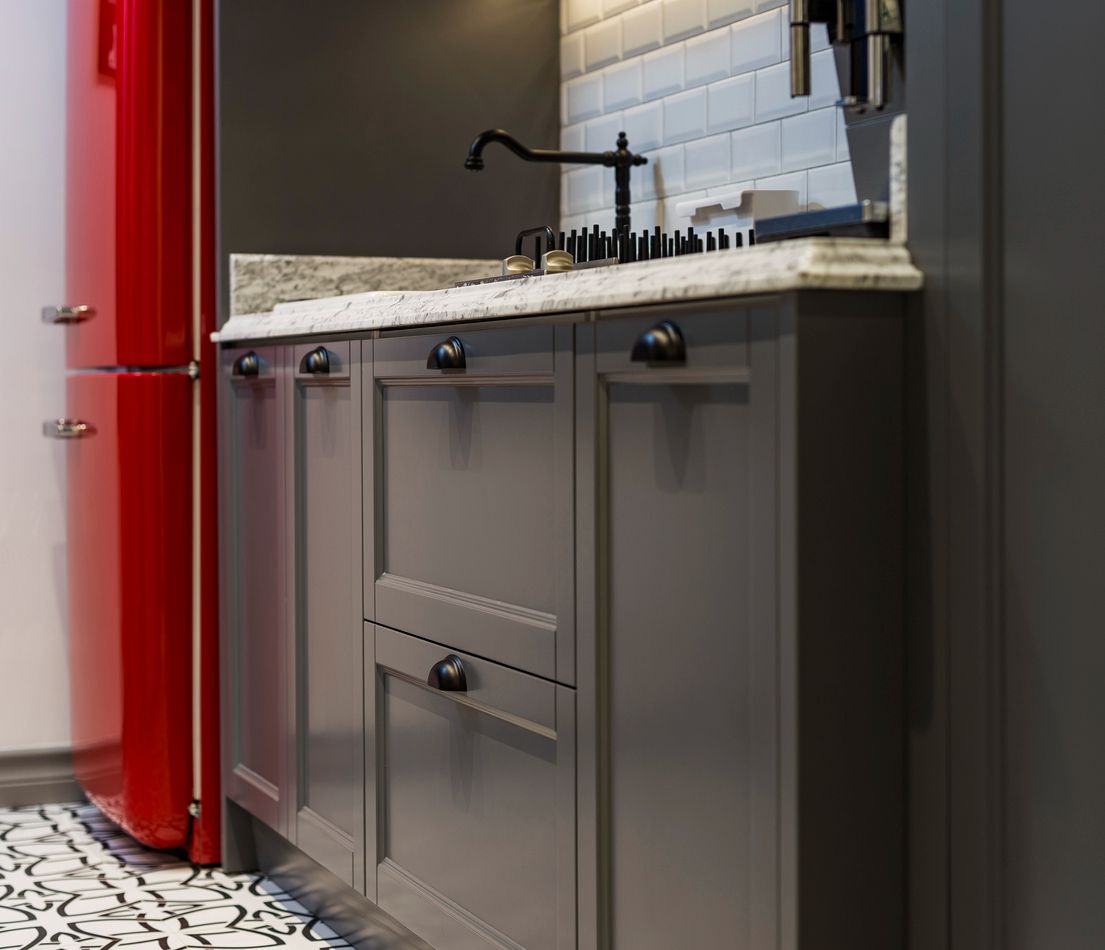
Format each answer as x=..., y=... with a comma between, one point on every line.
x=326, y=669
x=476, y=798
x=253, y=544
x=740, y=626
x=469, y=446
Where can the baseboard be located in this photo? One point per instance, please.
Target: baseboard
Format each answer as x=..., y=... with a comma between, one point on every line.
x=37, y=777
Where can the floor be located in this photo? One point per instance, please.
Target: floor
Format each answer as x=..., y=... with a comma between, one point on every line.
x=69, y=878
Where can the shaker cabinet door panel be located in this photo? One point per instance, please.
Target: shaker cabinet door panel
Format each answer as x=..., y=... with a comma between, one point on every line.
x=684, y=675
x=324, y=580
x=473, y=494
x=476, y=801
x=253, y=477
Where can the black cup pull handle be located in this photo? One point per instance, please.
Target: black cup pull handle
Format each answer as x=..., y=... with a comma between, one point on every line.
x=448, y=354
x=662, y=343
x=448, y=675
x=317, y=362
x=248, y=364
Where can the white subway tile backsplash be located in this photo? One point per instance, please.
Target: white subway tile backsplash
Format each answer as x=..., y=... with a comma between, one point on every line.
x=723, y=11
x=685, y=116
x=795, y=181
x=683, y=18
x=602, y=133
x=581, y=13
x=583, y=97
x=644, y=215
x=571, y=55
x=702, y=88
x=756, y=42
x=832, y=185
x=706, y=161
x=573, y=138
x=621, y=85
x=663, y=71
x=602, y=44
x=809, y=139
x=664, y=172
x=642, y=29
x=707, y=58
x=644, y=126
x=773, y=99
x=757, y=151
x=842, y=153
x=824, y=84
x=584, y=189
x=731, y=104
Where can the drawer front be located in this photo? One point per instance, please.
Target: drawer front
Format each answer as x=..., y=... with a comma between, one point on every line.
x=472, y=482
x=713, y=338
x=476, y=800
x=252, y=449
x=514, y=351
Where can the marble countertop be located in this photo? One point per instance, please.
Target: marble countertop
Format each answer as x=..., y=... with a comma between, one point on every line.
x=807, y=264
x=259, y=282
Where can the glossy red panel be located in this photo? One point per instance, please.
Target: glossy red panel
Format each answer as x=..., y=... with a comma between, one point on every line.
x=129, y=193
x=130, y=599
x=89, y=191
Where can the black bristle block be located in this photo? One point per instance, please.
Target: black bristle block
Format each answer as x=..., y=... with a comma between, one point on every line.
x=711, y=242
x=751, y=237
x=738, y=238
x=561, y=245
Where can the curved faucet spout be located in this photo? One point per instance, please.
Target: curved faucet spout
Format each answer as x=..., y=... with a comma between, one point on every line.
x=474, y=161
x=621, y=160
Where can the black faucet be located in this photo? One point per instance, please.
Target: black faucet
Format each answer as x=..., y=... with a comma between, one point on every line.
x=620, y=160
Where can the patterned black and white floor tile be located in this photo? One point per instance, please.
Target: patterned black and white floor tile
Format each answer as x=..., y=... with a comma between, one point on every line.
x=71, y=879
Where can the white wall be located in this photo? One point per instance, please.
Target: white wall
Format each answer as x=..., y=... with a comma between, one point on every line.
x=703, y=88
x=34, y=689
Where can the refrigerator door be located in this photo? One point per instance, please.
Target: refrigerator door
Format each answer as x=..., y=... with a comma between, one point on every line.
x=129, y=185
x=130, y=597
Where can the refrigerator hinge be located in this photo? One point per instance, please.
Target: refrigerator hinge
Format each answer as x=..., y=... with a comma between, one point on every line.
x=194, y=370
x=194, y=808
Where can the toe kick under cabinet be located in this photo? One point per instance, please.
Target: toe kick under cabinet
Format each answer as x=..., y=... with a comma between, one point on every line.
x=585, y=633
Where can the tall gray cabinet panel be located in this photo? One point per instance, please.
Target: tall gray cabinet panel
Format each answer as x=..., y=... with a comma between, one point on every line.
x=327, y=721
x=252, y=483
x=677, y=593
x=473, y=493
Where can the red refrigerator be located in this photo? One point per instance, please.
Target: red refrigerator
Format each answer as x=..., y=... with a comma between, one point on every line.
x=139, y=417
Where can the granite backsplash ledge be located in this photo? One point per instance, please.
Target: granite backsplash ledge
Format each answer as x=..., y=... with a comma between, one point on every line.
x=258, y=282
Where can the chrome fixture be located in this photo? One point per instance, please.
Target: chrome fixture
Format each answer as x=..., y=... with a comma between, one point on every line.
x=63, y=314
x=866, y=31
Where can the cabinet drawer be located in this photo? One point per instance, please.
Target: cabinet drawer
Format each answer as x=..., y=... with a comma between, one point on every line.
x=475, y=793
x=472, y=484
x=514, y=351
x=714, y=337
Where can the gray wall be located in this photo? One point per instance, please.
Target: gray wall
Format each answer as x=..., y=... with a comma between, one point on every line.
x=1007, y=511
x=343, y=125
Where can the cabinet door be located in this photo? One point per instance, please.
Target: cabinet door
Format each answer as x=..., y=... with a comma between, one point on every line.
x=677, y=755
x=472, y=458
x=252, y=506
x=476, y=800
x=327, y=726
